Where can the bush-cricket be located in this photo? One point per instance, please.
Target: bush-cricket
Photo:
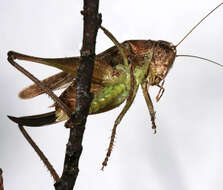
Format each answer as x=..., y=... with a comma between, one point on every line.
x=132, y=48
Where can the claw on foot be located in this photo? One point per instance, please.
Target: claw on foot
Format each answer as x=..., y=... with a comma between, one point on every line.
x=161, y=91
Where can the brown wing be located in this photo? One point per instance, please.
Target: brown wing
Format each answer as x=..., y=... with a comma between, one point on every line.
x=112, y=55
x=55, y=82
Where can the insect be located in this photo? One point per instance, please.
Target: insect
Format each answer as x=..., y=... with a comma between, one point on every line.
x=118, y=72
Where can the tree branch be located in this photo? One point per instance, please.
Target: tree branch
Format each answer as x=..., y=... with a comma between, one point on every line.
x=92, y=21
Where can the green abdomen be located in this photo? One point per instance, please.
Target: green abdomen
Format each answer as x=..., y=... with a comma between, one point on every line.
x=108, y=98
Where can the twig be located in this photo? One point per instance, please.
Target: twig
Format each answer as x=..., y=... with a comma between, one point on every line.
x=92, y=21
x=1, y=180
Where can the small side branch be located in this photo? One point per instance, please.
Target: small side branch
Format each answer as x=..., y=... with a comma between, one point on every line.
x=1, y=180
x=92, y=21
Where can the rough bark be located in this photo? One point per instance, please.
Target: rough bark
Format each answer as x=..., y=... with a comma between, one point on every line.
x=92, y=21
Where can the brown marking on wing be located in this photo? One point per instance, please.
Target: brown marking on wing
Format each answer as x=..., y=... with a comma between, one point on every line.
x=57, y=81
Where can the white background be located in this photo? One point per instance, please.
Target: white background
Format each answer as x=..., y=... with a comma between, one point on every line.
x=185, y=154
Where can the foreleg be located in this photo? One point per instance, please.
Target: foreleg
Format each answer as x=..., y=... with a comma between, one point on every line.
x=161, y=91
x=149, y=104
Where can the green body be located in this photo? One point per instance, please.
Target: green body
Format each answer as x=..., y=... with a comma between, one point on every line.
x=114, y=94
x=117, y=74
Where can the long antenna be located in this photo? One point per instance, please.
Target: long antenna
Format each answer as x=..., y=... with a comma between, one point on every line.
x=198, y=24
x=202, y=58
